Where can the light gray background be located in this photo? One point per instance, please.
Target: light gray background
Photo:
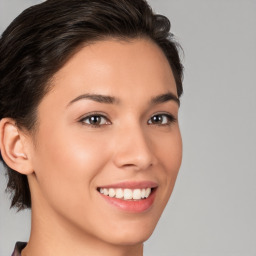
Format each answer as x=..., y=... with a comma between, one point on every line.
x=212, y=211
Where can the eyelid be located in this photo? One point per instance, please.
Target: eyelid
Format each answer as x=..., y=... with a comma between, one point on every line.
x=172, y=119
x=91, y=114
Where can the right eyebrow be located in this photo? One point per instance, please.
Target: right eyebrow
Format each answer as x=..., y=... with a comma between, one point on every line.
x=96, y=97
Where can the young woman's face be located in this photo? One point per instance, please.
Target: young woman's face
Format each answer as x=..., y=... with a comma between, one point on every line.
x=108, y=134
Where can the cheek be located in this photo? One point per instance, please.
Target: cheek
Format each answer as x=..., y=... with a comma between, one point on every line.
x=169, y=153
x=66, y=165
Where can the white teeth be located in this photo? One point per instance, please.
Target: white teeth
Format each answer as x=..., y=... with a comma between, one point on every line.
x=136, y=194
x=126, y=194
x=143, y=193
x=105, y=191
x=119, y=193
x=112, y=192
x=147, y=193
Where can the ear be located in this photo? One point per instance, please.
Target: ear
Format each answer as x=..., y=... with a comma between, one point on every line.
x=13, y=146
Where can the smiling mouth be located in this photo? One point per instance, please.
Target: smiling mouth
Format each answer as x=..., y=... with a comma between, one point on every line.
x=127, y=193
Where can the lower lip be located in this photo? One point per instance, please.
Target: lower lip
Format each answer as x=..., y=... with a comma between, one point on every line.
x=135, y=206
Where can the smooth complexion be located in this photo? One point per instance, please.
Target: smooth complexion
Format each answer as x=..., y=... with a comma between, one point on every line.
x=111, y=120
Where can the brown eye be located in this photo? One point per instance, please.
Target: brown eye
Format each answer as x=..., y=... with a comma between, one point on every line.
x=157, y=119
x=161, y=119
x=95, y=120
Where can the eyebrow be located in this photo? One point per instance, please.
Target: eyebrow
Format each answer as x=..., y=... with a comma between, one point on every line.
x=164, y=98
x=96, y=97
x=113, y=100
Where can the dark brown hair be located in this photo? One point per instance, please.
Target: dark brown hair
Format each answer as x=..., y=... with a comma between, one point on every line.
x=41, y=40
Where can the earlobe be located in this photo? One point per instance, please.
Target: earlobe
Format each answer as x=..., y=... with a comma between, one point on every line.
x=12, y=147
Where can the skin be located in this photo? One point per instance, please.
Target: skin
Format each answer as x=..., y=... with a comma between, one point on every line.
x=68, y=158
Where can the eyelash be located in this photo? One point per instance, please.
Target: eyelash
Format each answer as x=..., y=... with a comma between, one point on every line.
x=93, y=115
x=169, y=120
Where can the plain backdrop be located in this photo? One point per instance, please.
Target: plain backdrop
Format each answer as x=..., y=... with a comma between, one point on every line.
x=212, y=210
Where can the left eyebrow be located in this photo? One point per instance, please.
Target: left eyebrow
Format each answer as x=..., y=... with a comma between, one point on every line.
x=164, y=98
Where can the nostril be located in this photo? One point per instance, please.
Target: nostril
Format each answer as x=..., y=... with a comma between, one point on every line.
x=133, y=151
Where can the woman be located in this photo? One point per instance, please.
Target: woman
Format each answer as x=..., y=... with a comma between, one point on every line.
x=89, y=99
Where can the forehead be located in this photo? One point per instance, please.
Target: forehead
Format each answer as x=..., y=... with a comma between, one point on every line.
x=116, y=67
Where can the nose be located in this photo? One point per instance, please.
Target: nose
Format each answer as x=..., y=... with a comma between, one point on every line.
x=133, y=149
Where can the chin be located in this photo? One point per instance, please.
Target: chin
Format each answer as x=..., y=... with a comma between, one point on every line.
x=131, y=235
x=131, y=238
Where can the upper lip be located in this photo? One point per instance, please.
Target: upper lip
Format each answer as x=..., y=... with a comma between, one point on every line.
x=132, y=185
